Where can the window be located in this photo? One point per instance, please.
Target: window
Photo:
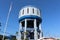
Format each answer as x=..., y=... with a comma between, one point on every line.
x=33, y=10
x=27, y=10
x=23, y=12
x=37, y=12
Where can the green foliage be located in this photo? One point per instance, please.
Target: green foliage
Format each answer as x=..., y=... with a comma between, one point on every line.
x=58, y=39
x=26, y=39
x=13, y=37
x=16, y=33
x=26, y=33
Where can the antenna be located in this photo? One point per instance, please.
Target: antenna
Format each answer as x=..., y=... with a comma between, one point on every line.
x=7, y=20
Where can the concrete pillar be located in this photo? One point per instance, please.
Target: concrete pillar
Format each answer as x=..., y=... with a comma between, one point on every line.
x=20, y=27
x=25, y=29
x=35, y=30
x=40, y=31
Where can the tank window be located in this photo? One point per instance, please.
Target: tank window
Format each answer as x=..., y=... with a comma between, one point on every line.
x=33, y=10
x=37, y=12
x=23, y=12
x=27, y=10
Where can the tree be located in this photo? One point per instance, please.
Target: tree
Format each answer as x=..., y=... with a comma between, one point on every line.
x=58, y=39
x=16, y=33
x=13, y=37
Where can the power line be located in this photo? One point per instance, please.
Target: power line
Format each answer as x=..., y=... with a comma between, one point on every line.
x=7, y=20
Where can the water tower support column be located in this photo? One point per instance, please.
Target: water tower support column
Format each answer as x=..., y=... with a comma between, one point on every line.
x=20, y=27
x=41, y=33
x=25, y=29
x=35, y=30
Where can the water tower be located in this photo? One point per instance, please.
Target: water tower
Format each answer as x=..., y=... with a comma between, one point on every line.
x=29, y=21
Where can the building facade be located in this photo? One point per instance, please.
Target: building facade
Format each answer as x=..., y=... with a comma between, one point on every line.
x=50, y=38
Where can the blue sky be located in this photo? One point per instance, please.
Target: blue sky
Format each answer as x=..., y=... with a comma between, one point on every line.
x=50, y=10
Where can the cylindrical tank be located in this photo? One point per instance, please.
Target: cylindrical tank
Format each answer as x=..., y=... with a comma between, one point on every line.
x=29, y=12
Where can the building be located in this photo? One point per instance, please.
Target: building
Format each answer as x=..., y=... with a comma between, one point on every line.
x=11, y=37
x=29, y=23
x=50, y=38
x=5, y=37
